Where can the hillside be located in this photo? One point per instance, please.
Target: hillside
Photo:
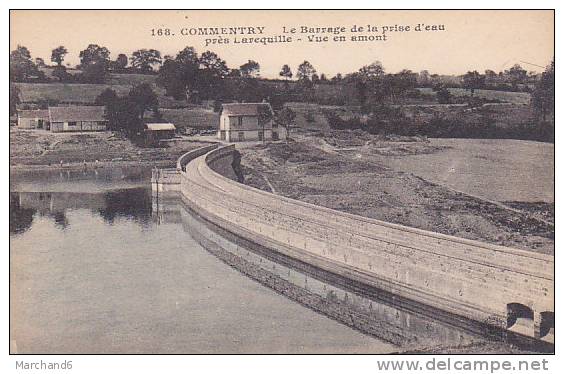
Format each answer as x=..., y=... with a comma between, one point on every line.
x=80, y=93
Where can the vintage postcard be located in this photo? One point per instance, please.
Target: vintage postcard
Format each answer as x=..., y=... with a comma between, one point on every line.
x=282, y=181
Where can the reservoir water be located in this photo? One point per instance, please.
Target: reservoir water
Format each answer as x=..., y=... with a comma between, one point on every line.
x=97, y=272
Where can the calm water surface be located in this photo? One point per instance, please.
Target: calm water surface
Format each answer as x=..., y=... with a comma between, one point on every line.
x=97, y=273
x=495, y=169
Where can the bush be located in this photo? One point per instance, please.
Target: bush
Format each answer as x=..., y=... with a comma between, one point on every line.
x=444, y=96
x=391, y=121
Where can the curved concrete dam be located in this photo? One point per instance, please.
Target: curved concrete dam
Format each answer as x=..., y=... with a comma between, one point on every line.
x=482, y=288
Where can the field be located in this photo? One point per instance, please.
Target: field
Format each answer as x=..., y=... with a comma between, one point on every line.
x=368, y=176
x=522, y=98
x=77, y=93
x=66, y=92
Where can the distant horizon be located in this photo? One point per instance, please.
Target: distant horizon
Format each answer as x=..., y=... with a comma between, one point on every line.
x=473, y=40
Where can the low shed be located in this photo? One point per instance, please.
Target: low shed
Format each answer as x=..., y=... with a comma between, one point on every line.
x=33, y=119
x=154, y=132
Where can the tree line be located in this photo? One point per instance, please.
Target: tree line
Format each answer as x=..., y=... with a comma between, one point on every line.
x=194, y=77
x=95, y=64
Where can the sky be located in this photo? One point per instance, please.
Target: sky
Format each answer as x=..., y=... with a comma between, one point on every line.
x=470, y=40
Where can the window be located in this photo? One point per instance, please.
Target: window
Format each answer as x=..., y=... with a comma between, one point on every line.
x=241, y=136
x=274, y=124
x=240, y=121
x=222, y=135
x=275, y=135
x=261, y=135
x=72, y=124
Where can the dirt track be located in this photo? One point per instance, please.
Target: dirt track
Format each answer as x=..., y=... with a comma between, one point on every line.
x=310, y=170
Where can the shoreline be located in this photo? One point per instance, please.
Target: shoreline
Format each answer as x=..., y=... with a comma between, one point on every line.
x=80, y=166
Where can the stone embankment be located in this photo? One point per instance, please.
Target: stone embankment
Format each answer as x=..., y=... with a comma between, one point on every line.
x=493, y=286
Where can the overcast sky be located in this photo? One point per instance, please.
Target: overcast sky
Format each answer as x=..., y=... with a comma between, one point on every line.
x=472, y=40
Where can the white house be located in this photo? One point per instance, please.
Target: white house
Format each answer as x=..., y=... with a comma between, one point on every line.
x=249, y=122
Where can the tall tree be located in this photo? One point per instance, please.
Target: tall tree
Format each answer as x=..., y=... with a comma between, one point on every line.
x=286, y=118
x=178, y=76
x=94, y=54
x=264, y=115
x=424, y=77
x=14, y=98
x=145, y=60
x=491, y=77
x=58, y=55
x=250, y=69
x=94, y=63
x=517, y=75
x=543, y=95
x=374, y=70
x=210, y=76
x=286, y=72
x=305, y=71
x=473, y=80
x=120, y=63
x=144, y=98
x=212, y=63
x=109, y=99
x=21, y=65
x=172, y=78
x=125, y=113
x=187, y=56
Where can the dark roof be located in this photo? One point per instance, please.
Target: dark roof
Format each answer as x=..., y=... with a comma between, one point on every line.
x=76, y=113
x=245, y=109
x=36, y=113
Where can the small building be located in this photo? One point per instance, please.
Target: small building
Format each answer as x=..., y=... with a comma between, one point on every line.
x=154, y=132
x=249, y=122
x=77, y=118
x=33, y=119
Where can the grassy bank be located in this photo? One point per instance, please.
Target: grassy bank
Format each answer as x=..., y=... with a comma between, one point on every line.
x=36, y=148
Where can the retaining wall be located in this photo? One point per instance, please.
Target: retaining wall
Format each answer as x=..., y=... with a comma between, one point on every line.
x=168, y=180
x=475, y=280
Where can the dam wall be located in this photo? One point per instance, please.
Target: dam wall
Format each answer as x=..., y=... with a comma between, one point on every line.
x=168, y=180
x=506, y=288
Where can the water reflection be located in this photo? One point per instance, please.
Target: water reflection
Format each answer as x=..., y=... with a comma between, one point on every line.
x=101, y=175
x=21, y=217
x=99, y=281
x=362, y=310
x=132, y=204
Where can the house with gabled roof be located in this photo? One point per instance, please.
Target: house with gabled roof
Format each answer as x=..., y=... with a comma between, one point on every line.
x=240, y=122
x=77, y=118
